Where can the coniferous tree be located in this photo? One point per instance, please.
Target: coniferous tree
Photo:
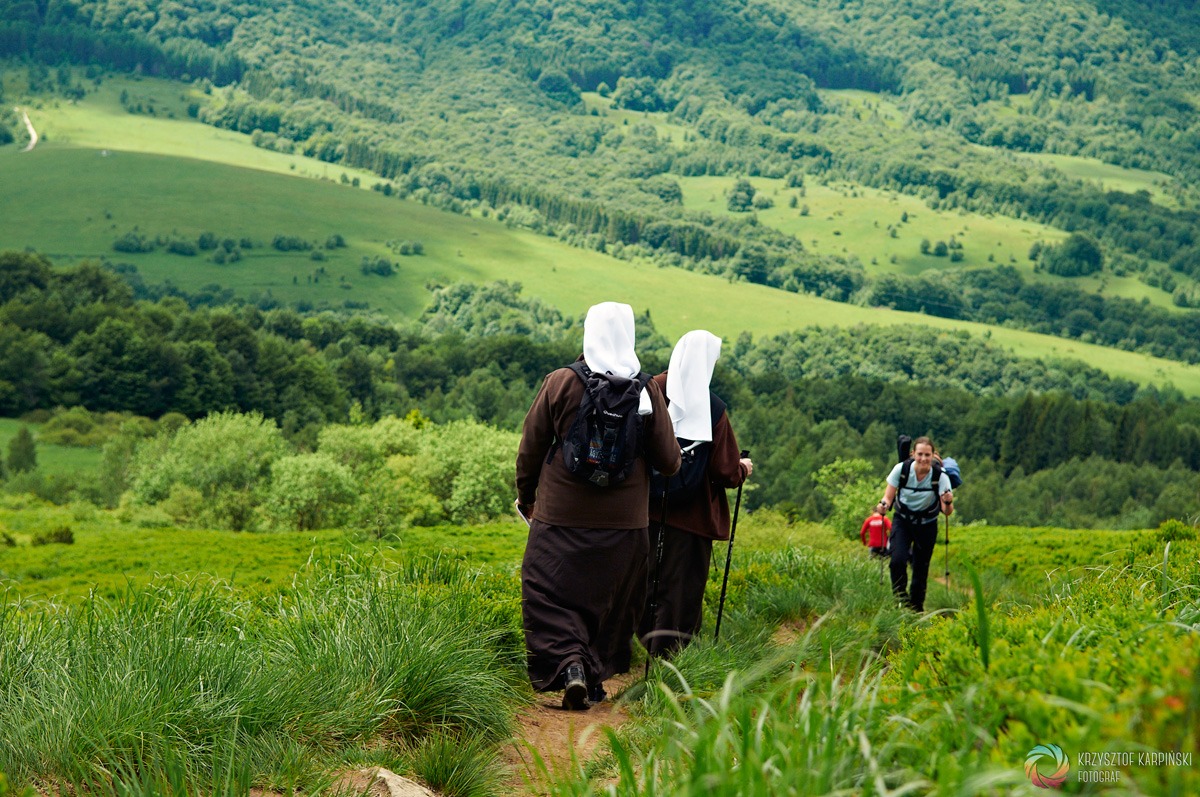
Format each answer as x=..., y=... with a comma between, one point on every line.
x=22, y=452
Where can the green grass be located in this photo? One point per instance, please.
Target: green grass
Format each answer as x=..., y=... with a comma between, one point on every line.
x=850, y=220
x=188, y=683
x=1108, y=176
x=55, y=459
x=115, y=549
x=864, y=104
x=101, y=122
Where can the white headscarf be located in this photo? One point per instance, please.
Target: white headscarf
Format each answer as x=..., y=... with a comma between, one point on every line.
x=688, y=376
x=608, y=344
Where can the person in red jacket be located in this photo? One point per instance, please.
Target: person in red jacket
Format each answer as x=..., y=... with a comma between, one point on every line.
x=674, y=611
x=874, y=533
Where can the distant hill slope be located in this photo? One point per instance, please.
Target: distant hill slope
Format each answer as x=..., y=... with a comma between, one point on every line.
x=480, y=105
x=75, y=203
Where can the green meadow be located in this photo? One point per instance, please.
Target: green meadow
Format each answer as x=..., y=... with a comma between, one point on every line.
x=1109, y=176
x=667, y=130
x=884, y=229
x=114, y=550
x=163, y=127
x=51, y=459
x=1040, y=635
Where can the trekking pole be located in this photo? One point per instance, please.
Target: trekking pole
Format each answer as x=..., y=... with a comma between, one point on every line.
x=947, y=553
x=658, y=559
x=729, y=553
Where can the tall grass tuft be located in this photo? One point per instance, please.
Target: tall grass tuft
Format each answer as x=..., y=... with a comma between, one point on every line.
x=458, y=766
x=982, y=633
x=190, y=683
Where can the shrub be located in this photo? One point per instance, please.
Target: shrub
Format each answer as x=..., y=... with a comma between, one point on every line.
x=308, y=491
x=185, y=248
x=22, y=452
x=470, y=468
x=133, y=243
x=227, y=457
x=852, y=486
x=1173, y=530
x=63, y=535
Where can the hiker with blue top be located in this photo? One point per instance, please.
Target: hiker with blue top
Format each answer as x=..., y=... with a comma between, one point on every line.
x=920, y=490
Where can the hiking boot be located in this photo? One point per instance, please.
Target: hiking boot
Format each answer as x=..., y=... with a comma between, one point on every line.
x=596, y=693
x=575, y=693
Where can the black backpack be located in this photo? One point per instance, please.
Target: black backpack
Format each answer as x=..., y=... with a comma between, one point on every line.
x=693, y=467
x=605, y=439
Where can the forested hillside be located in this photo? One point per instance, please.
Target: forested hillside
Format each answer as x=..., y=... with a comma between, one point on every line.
x=487, y=105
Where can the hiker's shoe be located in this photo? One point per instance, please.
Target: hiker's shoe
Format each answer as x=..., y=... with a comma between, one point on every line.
x=596, y=694
x=575, y=693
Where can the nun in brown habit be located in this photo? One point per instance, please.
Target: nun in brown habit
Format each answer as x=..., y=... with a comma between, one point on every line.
x=674, y=614
x=583, y=578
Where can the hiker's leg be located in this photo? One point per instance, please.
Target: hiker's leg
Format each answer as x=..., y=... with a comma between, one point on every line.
x=899, y=552
x=924, y=543
x=568, y=577
x=677, y=618
x=621, y=562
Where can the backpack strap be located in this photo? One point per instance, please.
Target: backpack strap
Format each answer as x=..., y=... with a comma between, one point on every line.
x=580, y=369
x=923, y=515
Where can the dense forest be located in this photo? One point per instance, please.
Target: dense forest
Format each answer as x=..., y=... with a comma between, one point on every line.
x=478, y=106
x=1029, y=433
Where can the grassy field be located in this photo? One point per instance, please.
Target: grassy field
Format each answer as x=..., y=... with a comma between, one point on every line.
x=675, y=133
x=54, y=459
x=814, y=659
x=884, y=229
x=101, y=122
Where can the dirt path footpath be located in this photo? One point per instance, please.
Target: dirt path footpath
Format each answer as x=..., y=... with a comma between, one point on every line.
x=553, y=733
x=33, y=136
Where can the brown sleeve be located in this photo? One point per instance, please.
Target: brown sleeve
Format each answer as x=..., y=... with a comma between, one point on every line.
x=725, y=464
x=537, y=435
x=662, y=449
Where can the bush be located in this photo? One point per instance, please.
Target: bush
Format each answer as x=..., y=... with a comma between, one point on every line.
x=63, y=535
x=470, y=468
x=1174, y=530
x=185, y=248
x=852, y=486
x=132, y=243
x=227, y=457
x=308, y=491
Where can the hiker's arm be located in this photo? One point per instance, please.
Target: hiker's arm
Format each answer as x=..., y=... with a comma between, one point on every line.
x=537, y=435
x=726, y=468
x=662, y=449
x=945, y=496
x=888, y=500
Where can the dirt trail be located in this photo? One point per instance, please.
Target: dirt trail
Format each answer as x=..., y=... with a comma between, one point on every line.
x=33, y=136
x=551, y=732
